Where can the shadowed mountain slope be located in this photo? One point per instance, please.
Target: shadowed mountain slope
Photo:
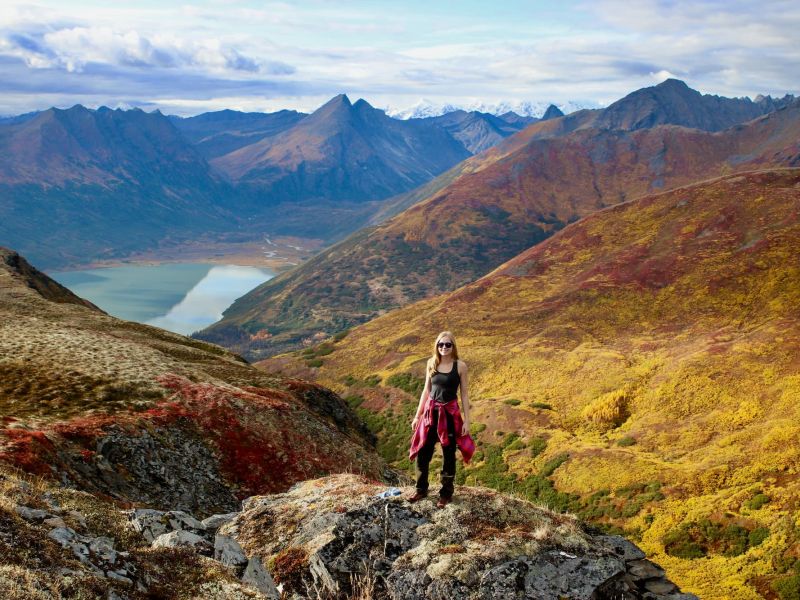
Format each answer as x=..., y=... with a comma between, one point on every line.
x=342, y=151
x=216, y=133
x=142, y=415
x=643, y=360
x=478, y=131
x=78, y=183
x=487, y=216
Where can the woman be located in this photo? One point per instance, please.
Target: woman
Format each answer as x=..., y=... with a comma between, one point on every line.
x=439, y=419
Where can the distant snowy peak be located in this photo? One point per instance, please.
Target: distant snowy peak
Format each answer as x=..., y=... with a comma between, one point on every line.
x=427, y=108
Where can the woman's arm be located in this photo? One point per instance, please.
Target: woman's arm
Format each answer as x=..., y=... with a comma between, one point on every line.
x=463, y=376
x=423, y=397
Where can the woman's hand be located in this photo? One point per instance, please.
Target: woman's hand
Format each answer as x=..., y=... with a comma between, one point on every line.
x=414, y=423
x=465, y=428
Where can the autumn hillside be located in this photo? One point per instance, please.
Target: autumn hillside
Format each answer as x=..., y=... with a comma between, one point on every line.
x=141, y=415
x=487, y=216
x=640, y=368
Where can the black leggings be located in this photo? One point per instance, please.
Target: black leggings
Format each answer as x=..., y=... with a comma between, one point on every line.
x=449, y=452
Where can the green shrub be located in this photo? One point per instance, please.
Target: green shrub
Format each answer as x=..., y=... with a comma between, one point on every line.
x=372, y=380
x=512, y=402
x=407, y=382
x=349, y=380
x=757, y=536
x=551, y=465
x=537, y=445
x=678, y=542
x=626, y=441
x=515, y=445
x=704, y=537
x=788, y=588
x=338, y=337
x=757, y=501
x=476, y=428
x=542, y=405
x=314, y=362
x=324, y=349
x=354, y=400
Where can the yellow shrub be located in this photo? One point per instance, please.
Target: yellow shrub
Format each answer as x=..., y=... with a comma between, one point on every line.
x=609, y=410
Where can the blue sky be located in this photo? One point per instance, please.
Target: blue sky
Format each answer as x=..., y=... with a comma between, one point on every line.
x=190, y=57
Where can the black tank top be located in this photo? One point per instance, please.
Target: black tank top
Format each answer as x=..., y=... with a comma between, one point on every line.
x=444, y=386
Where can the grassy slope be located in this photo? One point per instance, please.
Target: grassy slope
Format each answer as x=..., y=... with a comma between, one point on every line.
x=70, y=374
x=487, y=216
x=643, y=361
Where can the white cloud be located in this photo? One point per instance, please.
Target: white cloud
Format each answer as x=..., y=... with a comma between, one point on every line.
x=75, y=47
x=216, y=51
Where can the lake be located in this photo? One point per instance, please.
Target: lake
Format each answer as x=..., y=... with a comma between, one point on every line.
x=180, y=297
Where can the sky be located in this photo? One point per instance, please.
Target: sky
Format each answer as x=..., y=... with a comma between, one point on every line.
x=187, y=58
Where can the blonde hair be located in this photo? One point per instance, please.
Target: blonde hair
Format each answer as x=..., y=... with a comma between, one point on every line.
x=433, y=364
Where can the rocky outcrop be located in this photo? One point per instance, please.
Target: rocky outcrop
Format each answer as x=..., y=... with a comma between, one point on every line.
x=337, y=537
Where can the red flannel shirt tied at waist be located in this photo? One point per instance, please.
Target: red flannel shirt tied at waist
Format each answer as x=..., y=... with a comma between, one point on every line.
x=463, y=442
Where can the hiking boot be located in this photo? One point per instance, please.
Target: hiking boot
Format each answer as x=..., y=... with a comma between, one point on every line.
x=418, y=496
x=442, y=502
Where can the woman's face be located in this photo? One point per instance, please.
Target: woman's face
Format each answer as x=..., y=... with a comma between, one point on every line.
x=445, y=347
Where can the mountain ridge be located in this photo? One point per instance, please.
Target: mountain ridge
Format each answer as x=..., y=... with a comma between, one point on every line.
x=488, y=214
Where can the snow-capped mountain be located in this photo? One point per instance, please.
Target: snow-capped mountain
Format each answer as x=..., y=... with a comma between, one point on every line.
x=428, y=108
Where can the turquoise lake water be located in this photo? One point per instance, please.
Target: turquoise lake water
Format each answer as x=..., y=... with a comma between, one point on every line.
x=180, y=297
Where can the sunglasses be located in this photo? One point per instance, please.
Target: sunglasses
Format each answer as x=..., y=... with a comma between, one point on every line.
x=445, y=344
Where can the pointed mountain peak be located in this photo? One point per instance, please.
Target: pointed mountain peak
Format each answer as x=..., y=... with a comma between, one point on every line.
x=362, y=104
x=552, y=112
x=338, y=107
x=340, y=100
x=672, y=83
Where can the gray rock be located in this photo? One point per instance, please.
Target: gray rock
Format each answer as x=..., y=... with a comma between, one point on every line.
x=321, y=575
x=228, y=551
x=550, y=575
x=175, y=539
x=624, y=548
x=401, y=585
x=67, y=537
x=182, y=521
x=660, y=586
x=34, y=515
x=103, y=548
x=214, y=522
x=150, y=523
x=119, y=578
x=257, y=576
x=54, y=522
x=644, y=569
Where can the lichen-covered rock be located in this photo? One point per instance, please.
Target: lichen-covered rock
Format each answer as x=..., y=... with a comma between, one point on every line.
x=154, y=523
x=333, y=535
x=257, y=576
x=176, y=539
x=228, y=551
x=214, y=522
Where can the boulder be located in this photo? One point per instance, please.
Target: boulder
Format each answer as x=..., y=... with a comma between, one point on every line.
x=214, y=522
x=257, y=576
x=175, y=539
x=228, y=551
